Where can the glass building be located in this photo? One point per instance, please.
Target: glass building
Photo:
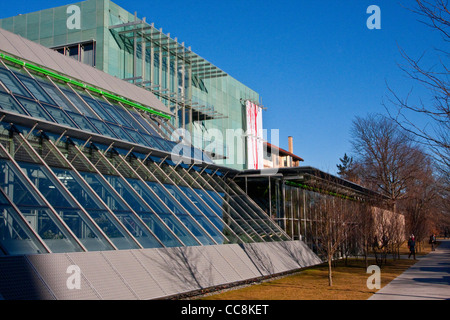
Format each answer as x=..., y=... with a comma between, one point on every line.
x=203, y=99
x=89, y=183
x=94, y=176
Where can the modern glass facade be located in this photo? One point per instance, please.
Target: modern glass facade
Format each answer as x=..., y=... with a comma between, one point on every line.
x=80, y=171
x=299, y=198
x=204, y=100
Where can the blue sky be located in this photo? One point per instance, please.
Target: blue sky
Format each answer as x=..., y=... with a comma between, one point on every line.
x=315, y=63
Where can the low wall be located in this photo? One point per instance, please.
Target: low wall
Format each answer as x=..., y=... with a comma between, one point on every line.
x=147, y=273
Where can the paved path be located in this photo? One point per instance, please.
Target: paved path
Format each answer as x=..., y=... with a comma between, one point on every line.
x=428, y=279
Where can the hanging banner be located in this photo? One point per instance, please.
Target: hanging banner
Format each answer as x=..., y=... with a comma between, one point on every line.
x=254, y=136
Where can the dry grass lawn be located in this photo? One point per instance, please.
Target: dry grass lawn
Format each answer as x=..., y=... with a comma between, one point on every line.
x=349, y=282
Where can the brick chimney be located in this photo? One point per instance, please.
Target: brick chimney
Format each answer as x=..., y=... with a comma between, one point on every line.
x=291, y=144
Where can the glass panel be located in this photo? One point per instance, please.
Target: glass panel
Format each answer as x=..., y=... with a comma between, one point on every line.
x=121, y=133
x=7, y=103
x=12, y=84
x=240, y=204
x=99, y=110
x=82, y=122
x=196, y=213
x=143, y=123
x=113, y=112
x=155, y=224
x=176, y=208
x=34, y=109
x=165, y=144
x=60, y=100
x=15, y=237
x=137, y=137
x=119, y=208
x=66, y=207
x=35, y=89
x=59, y=116
x=132, y=123
x=80, y=104
x=88, y=56
x=35, y=211
x=239, y=215
x=260, y=214
x=103, y=128
x=152, y=142
x=172, y=223
x=95, y=209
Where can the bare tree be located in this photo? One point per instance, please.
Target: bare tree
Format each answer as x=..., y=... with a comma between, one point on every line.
x=388, y=158
x=435, y=79
x=334, y=220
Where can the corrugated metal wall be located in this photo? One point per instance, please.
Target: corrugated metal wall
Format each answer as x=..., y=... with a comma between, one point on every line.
x=148, y=273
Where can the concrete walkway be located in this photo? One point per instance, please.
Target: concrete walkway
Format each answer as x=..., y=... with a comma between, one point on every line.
x=428, y=279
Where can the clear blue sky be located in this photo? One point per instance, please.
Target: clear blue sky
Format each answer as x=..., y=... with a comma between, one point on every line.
x=315, y=63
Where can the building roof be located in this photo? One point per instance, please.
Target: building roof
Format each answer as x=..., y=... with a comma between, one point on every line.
x=20, y=47
x=283, y=152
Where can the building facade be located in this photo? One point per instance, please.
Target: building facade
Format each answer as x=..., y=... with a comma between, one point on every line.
x=94, y=178
x=203, y=99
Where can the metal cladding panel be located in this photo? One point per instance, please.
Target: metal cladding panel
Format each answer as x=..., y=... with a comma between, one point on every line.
x=134, y=274
x=287, y=255
x=308, y=257
x=260, y=256
x=277, y=257
x=220, y=261
x=164, y=271
x=21, y=45
x=6, y=45
x=53, y=269
x=241, y=261
x=33, y=52
x=200, y=263
x=19, y=281
x=185, y=265
x=103, y=277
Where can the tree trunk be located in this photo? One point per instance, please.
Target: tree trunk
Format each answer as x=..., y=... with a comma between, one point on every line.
x=330, y=277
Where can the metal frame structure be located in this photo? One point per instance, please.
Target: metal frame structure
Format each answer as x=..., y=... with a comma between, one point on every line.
x=141, y=199
x=152, y=41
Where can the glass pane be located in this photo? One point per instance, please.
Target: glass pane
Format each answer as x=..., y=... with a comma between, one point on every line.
x=7, y=103
x=119, y=208
x=144, y=123
x=136, y=137
x=121, y=133
x=12, y=84
x=59, y=116
x=193, y=209
x=176, y=208
x=103, y=128
x=113, y=112
x=95, y=209
x=60, y=100
x=36, y=213
x=82, y=122
x=15, y=237
x=149, y=217
x=35, y=89
x=66, y=207
x=80, y=104
x=126, y=116
x=99, y=110
x=34, y=109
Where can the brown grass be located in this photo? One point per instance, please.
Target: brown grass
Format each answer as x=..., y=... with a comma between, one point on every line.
x=349, y=283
